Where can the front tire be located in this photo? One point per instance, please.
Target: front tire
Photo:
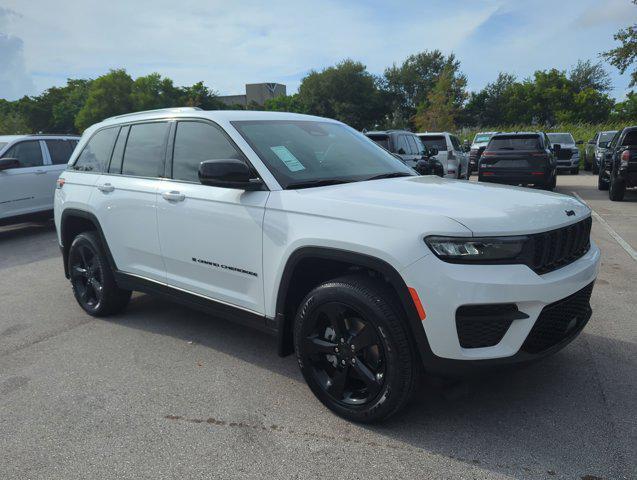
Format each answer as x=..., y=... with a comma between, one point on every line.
x=602, y=183
x=354, y=349
x=92, y=278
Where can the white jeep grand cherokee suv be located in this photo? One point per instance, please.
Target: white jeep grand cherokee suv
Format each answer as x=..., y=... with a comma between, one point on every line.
x=305, y=228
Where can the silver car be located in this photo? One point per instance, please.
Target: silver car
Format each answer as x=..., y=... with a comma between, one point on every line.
x=568, y=153
x=29, y=168
x=451, y=154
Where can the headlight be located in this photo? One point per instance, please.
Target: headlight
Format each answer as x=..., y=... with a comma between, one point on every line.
x=469, y=250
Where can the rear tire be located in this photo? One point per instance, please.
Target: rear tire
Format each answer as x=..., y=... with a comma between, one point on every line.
x=617, y=189
x=354, y=348
x=92, y=278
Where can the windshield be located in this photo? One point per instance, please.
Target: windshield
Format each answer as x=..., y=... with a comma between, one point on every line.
x=2, y=144
x=298, y=152
x=482, y=137
x=604, y=138
x=382, y=140
x=517, y=142
x=434, y=141
x=560, y=137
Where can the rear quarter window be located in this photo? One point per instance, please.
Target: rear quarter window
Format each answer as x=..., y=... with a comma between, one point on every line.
x=97, y=152
x=630, y=138
x=382, y=140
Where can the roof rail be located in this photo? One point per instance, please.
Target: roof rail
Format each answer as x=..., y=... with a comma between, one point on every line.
x=157, y=110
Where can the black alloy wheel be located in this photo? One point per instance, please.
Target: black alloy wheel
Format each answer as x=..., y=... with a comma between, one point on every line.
x=355, y=349
x=92, y=277
x=345, y=354
x=87, y=277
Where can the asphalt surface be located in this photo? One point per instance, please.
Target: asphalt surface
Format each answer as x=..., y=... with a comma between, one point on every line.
x=166, y=392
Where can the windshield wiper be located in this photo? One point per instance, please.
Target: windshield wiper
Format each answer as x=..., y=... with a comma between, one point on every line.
x=390, y=175
x=317, y=183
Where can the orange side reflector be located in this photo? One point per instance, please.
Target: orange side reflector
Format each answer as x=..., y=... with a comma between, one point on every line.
x=417, y=304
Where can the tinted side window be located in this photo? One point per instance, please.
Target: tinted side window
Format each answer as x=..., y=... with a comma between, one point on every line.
x=28, y=154
x=413, y=146
x=401, y=145
x=196, y=142
x=630, y=138
x=60, y=150
x=118, y=152
x=97, y=152
x=144, y=155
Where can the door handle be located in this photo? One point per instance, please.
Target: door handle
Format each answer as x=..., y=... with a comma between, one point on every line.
x=40, y=172
x=106, y=188
x=173, y=196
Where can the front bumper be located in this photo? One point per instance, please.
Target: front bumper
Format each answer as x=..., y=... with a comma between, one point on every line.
x=445, y=287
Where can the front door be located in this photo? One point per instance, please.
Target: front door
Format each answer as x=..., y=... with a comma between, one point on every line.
x=25, y=189
x=211, y=237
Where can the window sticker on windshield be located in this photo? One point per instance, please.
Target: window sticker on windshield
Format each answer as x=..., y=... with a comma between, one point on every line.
x=286, y=157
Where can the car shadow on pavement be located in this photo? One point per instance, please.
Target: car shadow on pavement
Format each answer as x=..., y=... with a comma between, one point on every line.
x=549, y=418
x=26, y=243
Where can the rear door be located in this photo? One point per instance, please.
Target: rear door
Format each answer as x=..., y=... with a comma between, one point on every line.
x=126, y=199
x=25, y=189
x=211, y=237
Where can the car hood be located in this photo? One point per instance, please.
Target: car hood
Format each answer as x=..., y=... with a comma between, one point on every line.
x=484, y=209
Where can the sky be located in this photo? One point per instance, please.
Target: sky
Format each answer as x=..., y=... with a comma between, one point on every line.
x=226, y=44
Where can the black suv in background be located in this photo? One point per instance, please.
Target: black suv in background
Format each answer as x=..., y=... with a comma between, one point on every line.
x=521, y=158
x=618, y=167
x=408, y=147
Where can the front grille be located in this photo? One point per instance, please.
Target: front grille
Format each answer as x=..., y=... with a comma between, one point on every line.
x=484, y=325
x=559, y=321
x=557, y=248
x=565, y=154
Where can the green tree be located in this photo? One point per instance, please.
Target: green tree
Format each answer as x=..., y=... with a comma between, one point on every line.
x=407, y=86
x=63, y=113
x=13, y=123
x=439, y=111
x=589, y=75
x=152, y=91
x=624, y=56
x=489, y=105
x=626, y=111
x=108, y=95
x=346, y=92
x=285, y=103
x=198, y=95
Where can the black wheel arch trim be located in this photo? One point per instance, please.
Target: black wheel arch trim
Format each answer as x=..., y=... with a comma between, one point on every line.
x=283, y=324
x=66, y=243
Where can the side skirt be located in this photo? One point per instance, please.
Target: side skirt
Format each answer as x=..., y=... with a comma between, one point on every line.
x=197, y=302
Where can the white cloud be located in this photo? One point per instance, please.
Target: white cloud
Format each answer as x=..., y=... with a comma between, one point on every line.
x=227, y=44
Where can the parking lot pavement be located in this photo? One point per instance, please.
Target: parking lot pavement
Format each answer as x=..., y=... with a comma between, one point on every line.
x=166, y=392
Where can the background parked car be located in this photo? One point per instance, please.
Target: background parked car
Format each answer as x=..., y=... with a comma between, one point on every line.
x=618, y=170
x=451, y=154
x=29, y=167
x=400, y=143
x=595, y=149
x=568, y=155
x=521, y=158
x=480, y=142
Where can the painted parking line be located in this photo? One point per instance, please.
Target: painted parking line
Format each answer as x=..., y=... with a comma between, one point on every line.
x=622, y=243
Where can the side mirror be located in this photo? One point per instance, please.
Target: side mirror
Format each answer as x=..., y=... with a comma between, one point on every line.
x=7, y=163
x=228, y=173
x=579, y=142
x=433, y=151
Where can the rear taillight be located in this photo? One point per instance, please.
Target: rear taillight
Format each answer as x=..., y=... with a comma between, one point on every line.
x=624, y=158
x=60, y=183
